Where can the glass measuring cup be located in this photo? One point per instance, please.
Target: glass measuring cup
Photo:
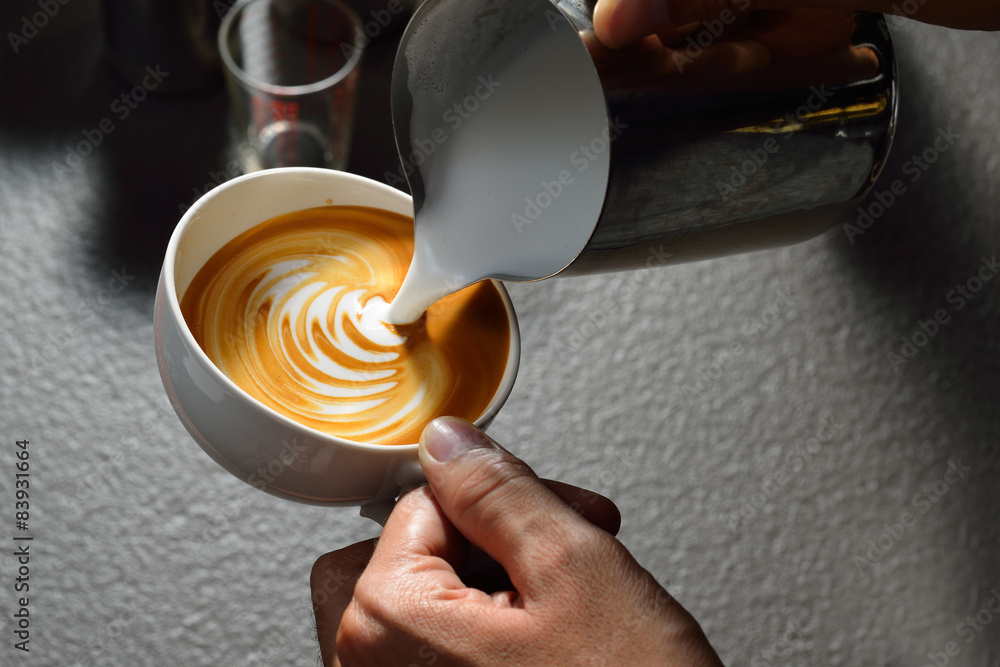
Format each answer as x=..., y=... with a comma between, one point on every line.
x=291, y=68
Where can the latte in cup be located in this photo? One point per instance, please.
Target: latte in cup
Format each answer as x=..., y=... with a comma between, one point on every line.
x=292, y=312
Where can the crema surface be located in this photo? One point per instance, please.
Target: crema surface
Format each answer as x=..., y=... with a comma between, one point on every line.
x=292, y=311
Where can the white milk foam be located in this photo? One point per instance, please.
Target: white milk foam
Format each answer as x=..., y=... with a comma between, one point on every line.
x=311, y=305
x=515, y=191
x=306, y=301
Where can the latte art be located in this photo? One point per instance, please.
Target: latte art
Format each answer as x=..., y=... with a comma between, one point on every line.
x=293, y=312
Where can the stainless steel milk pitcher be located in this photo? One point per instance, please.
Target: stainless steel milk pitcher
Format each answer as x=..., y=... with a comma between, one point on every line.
x=710, y=162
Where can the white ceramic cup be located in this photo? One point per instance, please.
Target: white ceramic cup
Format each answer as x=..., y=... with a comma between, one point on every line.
x=254, y=442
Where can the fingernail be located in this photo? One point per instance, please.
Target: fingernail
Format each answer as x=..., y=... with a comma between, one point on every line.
x=602, y=8
x=604, y=16
x=447, y=437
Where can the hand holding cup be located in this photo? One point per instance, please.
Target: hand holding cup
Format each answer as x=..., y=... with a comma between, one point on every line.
x=575, y=595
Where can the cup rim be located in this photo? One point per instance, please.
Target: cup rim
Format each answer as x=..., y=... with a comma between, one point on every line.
x=254, y=84
x=500, y=396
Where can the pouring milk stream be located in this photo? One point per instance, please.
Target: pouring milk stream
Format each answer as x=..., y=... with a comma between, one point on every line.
x=507, y=194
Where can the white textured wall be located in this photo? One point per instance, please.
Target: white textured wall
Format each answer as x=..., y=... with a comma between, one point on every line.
x=146, y=553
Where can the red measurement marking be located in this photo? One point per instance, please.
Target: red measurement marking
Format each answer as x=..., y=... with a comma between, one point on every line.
x=270, y=110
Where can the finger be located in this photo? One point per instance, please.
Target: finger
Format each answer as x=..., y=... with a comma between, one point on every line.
x=499, y=504
x=420, y=550
x=595, y=508
x=479, y=571
x=482, y=572
x=332, y=582
x=800, y=35
x=417, y=533
x=410, y=589
x=648, y=65
x=618, y=23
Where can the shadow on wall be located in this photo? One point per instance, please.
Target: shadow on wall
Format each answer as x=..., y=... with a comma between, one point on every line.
x=927, y=237
x=148, y=149
x=140, y=148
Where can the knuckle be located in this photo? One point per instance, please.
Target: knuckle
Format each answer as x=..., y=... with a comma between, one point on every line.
x=574, y=546
x=355, y=636
x=412, y=499
x=350, y=626
x=573, y=550
x=369, y=595
x=491, y=484
x=383, y=600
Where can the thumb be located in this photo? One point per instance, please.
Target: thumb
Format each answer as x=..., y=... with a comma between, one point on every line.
x=618, y=23
x=498, y=503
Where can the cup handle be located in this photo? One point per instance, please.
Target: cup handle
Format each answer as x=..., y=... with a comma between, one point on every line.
x=378, y=510
x=401, y=477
